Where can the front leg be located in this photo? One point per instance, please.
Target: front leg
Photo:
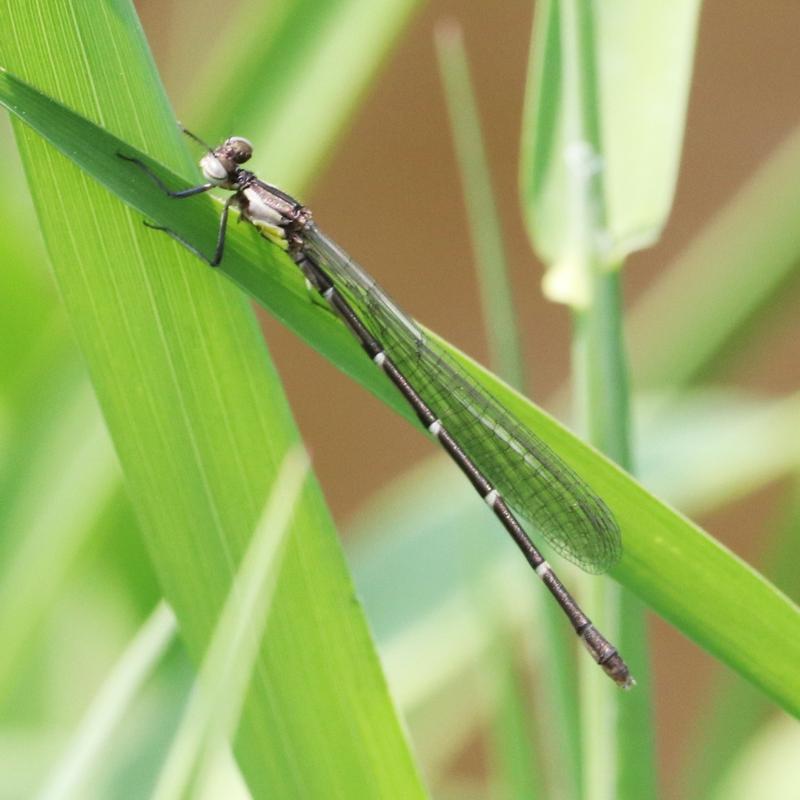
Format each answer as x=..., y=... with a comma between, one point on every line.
x=203, y=187
x=215, y=260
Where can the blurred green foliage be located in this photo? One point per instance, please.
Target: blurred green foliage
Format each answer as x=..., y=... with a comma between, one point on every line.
x=76, y=583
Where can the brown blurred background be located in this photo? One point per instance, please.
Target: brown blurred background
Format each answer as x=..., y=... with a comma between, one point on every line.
x=412, y=235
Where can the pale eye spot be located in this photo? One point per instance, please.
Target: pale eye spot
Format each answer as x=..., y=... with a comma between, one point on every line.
x=212, y=168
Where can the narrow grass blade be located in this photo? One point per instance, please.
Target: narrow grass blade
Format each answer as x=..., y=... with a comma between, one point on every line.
x=214, y=707
x=518, y=772
x=110, y=705
x=502, y=331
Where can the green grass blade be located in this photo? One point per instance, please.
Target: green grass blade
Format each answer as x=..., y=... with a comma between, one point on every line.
x=668, y=561
x=734, y=712
x=80, y=473
x=738, y=265
x=110, y=705
x=602, y=140
x=512, y=758
x=600, y=372
x=516, y=762
x=765, y=768
x=200, y=423
x=212, y=714
x=641, y=67
x=500, y=322
x=699, y=464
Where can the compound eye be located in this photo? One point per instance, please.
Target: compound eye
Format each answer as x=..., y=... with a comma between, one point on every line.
x=213, y=168
x=239, y=149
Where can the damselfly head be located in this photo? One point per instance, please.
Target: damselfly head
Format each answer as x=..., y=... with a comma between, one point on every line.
x=220, y=165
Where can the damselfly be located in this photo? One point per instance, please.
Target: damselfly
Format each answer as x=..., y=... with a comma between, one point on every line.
x=509, y=467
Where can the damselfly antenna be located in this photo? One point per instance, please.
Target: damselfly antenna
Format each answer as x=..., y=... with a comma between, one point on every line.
x=195, y=137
